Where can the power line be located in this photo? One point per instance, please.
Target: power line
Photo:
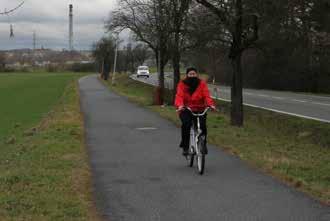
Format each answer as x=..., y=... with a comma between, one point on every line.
x=5, y=12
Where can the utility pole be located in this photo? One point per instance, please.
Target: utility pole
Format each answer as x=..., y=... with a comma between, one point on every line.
x=115, y=63
x=34, y=40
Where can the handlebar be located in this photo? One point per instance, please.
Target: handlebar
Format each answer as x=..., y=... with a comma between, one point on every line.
x=198, y=115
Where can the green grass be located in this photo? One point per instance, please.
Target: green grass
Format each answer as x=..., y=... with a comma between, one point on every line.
x=294, y=150
x=153, y=70
x=26, y=98
x=44, y=175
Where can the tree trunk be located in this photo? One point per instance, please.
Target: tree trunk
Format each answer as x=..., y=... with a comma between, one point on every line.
x=176, y=65
x=176, y=78
x=236, y=92
x=101, y=67
x=161, y=81
x=237, y=81
x=106, y=70
x=159, y=91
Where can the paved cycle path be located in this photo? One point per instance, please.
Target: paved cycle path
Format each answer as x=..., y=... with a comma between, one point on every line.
x=139, y=174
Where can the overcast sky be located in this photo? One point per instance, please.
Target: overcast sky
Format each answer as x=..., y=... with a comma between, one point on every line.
x=49, y=18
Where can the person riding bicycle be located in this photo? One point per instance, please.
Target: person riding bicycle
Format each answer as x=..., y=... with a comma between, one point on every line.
x=192, y=92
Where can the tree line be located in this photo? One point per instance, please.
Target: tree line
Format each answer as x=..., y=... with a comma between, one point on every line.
x=281, y=45
x=130, y=56
x=292, y=51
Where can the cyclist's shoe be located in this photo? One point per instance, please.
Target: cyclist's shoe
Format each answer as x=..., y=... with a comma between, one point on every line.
x=185, y=152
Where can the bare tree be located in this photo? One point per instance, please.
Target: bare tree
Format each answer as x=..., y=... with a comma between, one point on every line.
x=241, y=25
x=103, y=52
x=179, y=13
x=148, y=20
x=207, y=48
x=140, y=53
x=135, y=56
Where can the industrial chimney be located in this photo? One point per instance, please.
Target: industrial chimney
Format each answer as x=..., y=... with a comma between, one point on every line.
x=71, y=27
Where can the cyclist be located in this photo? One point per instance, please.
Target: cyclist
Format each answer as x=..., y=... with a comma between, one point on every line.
x=192, y=92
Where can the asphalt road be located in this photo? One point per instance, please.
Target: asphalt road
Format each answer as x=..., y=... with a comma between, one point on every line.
x=139, y=174
x=296, y=104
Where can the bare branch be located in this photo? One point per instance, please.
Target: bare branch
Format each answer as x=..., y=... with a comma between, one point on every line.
x=255, y=36
x=221, y=13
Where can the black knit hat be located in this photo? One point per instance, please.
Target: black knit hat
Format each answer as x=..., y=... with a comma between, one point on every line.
x=191, y=69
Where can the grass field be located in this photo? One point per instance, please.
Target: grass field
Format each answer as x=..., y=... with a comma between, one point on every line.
x=294, y=150
x=26, y=98
x=44, y=170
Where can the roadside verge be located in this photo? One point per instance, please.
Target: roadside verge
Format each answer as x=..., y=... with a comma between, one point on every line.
x=45, y=173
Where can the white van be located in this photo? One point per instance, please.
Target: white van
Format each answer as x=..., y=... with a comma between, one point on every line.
x=143, y=71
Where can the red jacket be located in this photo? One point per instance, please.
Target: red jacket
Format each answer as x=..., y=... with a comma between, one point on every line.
x=198, y=101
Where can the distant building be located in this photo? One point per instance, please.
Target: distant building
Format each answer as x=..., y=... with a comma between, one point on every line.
x=43, y=57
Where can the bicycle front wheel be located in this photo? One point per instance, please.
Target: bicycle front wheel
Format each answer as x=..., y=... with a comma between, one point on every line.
x=201, y=156
x=191, y=160
x=201, y=163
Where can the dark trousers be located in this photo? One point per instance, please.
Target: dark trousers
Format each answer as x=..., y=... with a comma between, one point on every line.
x=186, y=119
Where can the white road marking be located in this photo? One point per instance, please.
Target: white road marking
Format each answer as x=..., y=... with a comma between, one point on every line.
x=263, y=95
x=301, y=101
x=278, y=111
x=324, y=104
x=146, y=128
x=278, y=98
x=282, y=112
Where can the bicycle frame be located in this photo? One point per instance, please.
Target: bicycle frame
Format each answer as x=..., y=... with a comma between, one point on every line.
x=195, y=132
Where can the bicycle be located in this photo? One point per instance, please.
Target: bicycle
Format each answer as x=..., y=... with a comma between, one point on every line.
x=197, y=142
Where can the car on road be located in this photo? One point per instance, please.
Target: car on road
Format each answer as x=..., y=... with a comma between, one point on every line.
x=143, y=71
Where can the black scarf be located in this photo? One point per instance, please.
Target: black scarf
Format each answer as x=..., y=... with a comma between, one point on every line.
x=192, y=83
